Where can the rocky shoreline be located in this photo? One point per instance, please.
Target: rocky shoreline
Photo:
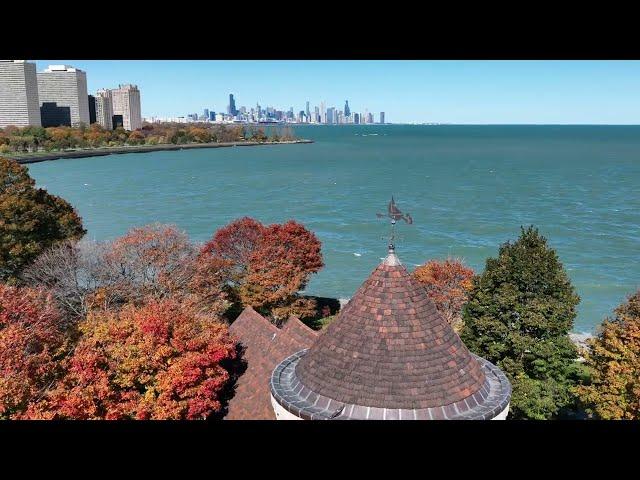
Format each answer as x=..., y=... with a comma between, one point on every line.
x=99, y=152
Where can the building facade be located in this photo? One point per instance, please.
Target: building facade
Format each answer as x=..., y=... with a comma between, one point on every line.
x=126, y=104
x=104, y=109
x=381, y=117
x=19, y=105
x=63, y=97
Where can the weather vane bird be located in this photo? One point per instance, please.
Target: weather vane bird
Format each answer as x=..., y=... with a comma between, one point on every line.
x=394, y=213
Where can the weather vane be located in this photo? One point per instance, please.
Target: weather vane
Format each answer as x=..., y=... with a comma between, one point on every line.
x=394, y=213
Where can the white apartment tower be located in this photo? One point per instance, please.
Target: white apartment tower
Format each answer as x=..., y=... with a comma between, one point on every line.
x=62, y=92
x=18, y=94
x=126, y=102
x=104, y=109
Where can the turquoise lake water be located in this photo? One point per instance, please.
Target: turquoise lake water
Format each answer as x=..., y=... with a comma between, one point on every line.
x=468, y=189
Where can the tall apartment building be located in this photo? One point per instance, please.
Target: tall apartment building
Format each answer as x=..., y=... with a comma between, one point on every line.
x=381, y=117
x=104, y=109
x=62, y=92
x=126, y=103
x=18, y=94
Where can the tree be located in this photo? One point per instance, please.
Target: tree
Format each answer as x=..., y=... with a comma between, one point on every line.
x=157, y=361
x=448, y=284
x=613, y=359
x=32, y=344
x=30, y=219
x=518, y=316
x=236, y=243
x=280, y=266
x=269, y=264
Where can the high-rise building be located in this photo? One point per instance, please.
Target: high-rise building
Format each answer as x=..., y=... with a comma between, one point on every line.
x=19, y=105
x=63, y=97
x=206, y=114
x=356, y=118
x=92, y=109
x=323, y=113
x=104, y=109
x=307, y=112
x=347, y=111
x=331, y=115
x=232, y=106
x=212, y=116
x=381, y=117
x=369, y=117
x=126, y=103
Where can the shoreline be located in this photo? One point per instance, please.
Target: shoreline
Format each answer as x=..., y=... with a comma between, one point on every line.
x=100, y=152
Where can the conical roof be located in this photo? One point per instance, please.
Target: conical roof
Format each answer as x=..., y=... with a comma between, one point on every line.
x=391, y=348
x=390, y=353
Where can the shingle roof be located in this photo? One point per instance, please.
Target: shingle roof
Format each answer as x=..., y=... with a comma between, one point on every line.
x=265, y=346
x=389, y=354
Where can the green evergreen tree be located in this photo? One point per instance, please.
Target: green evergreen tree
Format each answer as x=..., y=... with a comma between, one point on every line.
x=519, y=315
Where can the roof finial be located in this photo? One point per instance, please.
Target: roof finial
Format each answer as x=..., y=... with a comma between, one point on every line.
x=394, y=213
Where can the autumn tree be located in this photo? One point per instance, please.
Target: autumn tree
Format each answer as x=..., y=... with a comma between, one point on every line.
x=153, y=261
x=33, y=342
x=281, y=265
x=448, y=284
x=160, y=360
x=30, y=219
x=270, y=264
x=519, y=315
x=613, y=358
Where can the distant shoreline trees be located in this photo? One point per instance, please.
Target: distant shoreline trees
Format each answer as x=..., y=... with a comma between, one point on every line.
x=39, y=139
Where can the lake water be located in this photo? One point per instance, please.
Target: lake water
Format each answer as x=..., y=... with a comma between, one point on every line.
x=468, y=189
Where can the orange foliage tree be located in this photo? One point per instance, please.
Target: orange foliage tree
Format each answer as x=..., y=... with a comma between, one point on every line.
x=271, y=264
x=448, y=284
x=161, y=360
x=613, y=358
x=32, y=343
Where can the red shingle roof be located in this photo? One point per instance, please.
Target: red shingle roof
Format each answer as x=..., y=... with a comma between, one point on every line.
x=265, y=346
x=390, y=348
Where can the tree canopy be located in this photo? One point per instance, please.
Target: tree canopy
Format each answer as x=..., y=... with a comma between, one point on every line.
x=613, y=358
x=519, y=314
x=30, y=219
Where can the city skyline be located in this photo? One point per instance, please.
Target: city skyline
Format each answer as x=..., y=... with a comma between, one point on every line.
x=471, y=92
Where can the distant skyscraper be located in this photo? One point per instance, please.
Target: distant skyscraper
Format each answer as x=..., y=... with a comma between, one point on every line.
x=126, y=103
x=381, y=117
x=206, y=113
x=307, y=112
x=212, y=116
x=92, y=109
x=347, y=111
x=232, y=106
x=104, y=109
x=323, y=113
x=370, y=117
x=19, y=105
x=62, y=92
x=356, y=118
x=331, y=114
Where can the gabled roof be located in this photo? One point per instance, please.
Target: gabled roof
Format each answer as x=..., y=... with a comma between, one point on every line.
x=265, y=345
x=389, y=354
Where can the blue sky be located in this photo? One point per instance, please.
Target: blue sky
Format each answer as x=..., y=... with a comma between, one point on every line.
x=466, y=92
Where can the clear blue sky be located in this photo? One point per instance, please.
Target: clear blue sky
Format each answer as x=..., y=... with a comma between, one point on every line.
x=563, y=92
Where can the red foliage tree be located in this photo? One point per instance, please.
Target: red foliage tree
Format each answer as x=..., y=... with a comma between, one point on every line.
x=158, y=361
x=236, y=243
x=448, y=284
x=280, y=266
x=270, y=264
x=32, y=343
